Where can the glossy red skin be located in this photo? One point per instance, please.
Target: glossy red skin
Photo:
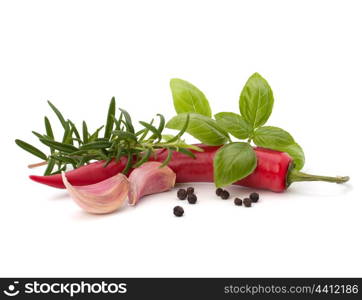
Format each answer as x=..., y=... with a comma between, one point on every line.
x=270, y=174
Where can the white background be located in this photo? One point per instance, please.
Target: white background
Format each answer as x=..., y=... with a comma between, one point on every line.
x=79, y=54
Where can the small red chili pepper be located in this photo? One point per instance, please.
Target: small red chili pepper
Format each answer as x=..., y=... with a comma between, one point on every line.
x=274, y=171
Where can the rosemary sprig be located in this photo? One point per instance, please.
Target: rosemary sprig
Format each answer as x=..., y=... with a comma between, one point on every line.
x=119, y=139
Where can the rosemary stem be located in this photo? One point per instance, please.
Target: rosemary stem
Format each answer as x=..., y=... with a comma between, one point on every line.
x=32, y=166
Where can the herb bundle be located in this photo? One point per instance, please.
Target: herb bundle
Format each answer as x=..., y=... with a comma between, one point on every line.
x=117, y=138
x=234, y=160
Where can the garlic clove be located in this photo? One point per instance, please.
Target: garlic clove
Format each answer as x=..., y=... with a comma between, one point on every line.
x=148, y=179
x=100, y=198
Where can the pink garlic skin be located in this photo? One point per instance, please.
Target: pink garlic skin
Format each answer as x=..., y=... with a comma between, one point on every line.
x=148, y=179
x=100, y=198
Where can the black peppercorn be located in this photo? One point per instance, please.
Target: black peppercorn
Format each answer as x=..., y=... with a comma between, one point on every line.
x=192, y=198
x=224, y=195
x=190, y=190
x=238, y=201
x=247, y=202
x=254, y=197
x=178, y=211
x=181, y=194
x=219, y=191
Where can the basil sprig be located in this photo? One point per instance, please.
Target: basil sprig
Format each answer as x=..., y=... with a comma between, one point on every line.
x=256, y=101
x=234, y=160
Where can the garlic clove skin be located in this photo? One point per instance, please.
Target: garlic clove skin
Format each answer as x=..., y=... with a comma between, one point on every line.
x=100, y=198
x=148, y=179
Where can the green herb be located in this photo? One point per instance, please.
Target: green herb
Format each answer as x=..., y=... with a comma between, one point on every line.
x=234, y=124
x=119, y=140
x=233, y=162
x=256, y=101
x=48, y=128
x=255, y=104
x=168, y=158
x=64, y=147
x=188, y=98
x=50, y=166
x=296, y=152
x=201, y=127
x=110, y=119
x=37, y=134
x=153, y=129
x=59, y=115
x=85, y=132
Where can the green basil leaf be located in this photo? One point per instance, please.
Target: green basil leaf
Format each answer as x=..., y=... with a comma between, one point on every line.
x=31, y=149
x=296, y=152
x=233, y=162
x=256, y=101
x=272, y=137
x=234, y=124
x=201, y=127
x=64, y=123
x=128, y=120
x=188, y=98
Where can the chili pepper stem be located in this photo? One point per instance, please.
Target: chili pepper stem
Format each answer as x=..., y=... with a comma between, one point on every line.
x=295, y=175
x=32, y=166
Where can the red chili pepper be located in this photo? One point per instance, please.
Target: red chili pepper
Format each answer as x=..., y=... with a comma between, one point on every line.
x=274, y=170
